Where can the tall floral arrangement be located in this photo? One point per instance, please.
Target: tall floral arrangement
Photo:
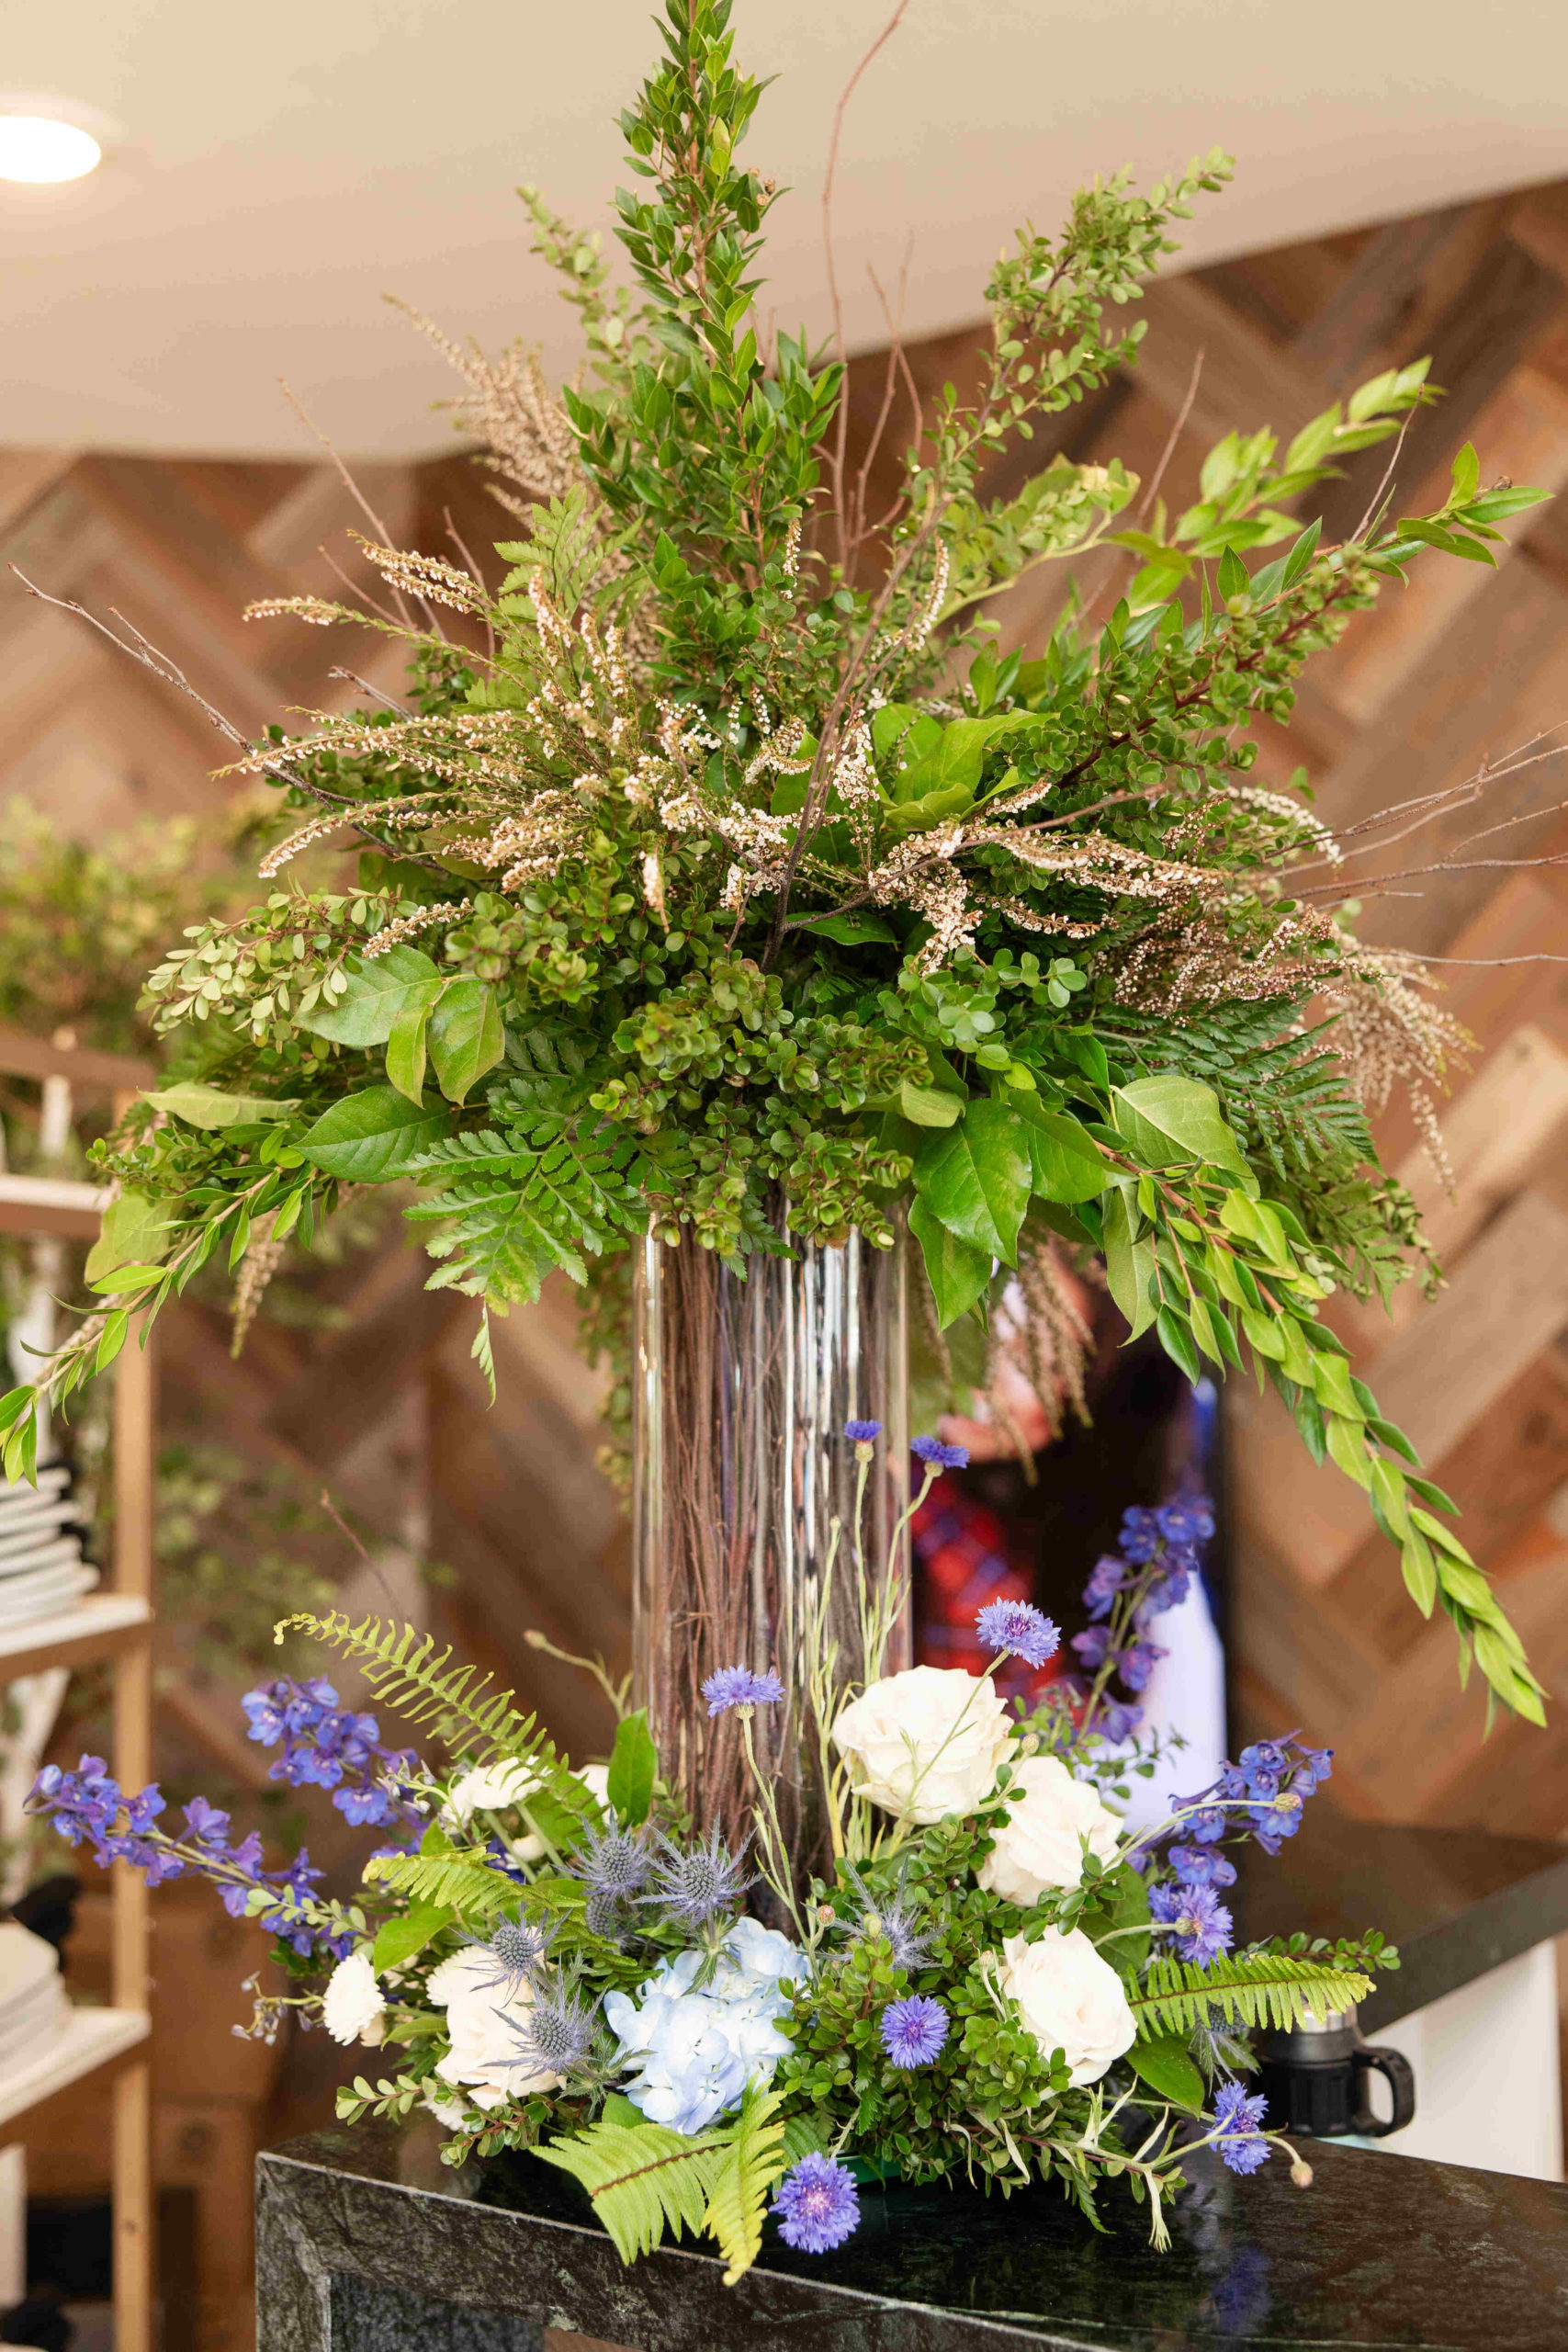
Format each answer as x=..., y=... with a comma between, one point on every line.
x=995, y=1980
x=703, y=885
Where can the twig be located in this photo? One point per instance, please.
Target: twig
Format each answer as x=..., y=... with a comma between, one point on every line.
x=1145, y=504
x=383, y=535
x=347, y=1533
x=166, y=668
x=841, y=430
x=353, y=678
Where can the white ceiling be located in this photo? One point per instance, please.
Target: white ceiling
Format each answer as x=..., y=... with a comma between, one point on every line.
x=284, y=165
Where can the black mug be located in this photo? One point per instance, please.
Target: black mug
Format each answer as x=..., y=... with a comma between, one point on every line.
x=1317, y=2080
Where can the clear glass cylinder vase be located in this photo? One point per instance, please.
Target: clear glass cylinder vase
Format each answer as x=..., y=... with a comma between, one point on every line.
x=742, y=1389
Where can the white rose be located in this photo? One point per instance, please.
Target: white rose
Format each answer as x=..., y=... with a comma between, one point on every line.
x=352, y=2006
x=1071, y=2000
x=926, y=1743
x=486, y=2017
x=595, y=1779
x=1040, y=1841
x=492, y=1787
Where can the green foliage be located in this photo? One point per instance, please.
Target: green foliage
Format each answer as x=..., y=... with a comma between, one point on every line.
x=732, y=881
x=643, y=2178
x=1246, y=1988
x=408, y=1674
x=753, y=2160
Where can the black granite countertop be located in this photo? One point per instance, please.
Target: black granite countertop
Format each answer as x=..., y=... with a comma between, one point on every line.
x=366, y=2244
x=1457, y=1902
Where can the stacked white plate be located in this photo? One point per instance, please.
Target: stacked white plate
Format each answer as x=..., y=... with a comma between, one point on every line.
x=41, y=1568
x=33, y=2007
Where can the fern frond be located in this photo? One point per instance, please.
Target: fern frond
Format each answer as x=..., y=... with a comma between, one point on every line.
x=752, y=2162
x=643, y=2178
x=512, y=1208
x=1248, y=1988
x=472, y=1888
x=407, y=1673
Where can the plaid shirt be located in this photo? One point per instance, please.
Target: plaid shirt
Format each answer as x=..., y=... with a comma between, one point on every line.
x=964, y=1559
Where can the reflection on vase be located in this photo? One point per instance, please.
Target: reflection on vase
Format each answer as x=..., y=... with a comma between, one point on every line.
x=742, y=1387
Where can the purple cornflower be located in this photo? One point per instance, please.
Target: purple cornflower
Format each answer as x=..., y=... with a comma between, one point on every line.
x=1194, y=1915
x=818, y=2205
x=694, y=1886
x=1018, y=1629
x=737, y=1685
x=1240, y=2142
x=863, y=1432
x=913, y=2030
x=938, y=1456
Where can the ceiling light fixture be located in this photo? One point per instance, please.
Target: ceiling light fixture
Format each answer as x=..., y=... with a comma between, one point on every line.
x=40, y=149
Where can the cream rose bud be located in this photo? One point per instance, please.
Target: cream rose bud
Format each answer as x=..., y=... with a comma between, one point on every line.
x=1071, y=2000
x=925, y=1744
x=494, y=1788
x=1040, y=1840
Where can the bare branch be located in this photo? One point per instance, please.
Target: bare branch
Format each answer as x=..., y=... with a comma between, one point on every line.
x=841, y=427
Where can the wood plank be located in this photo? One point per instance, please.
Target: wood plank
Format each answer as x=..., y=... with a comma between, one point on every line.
x=1506, y=1304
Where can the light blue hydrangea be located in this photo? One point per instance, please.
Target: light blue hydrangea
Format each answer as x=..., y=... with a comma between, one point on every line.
x=692, y=2052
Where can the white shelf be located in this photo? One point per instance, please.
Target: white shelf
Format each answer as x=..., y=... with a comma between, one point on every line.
x=52, y=1193
x=88, y=1624
x=89, y=2039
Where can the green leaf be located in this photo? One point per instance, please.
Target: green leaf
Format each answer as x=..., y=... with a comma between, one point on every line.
x=1169, y=1118
x=208, y=1106
x=406, y=1045
x=634, y=1767
x=1066, y=1162
x=1248, y=1988
x=1162, y=2061
x=957, y=1273
x=134, y=1231
x=1466, y=476
x=466, y=1037
x=1234, y=578
x=930, y=1106
x=753, y=2162
x=398, y=1940
x=364, y=1139
x=852, y=930
x=376, y=988
x=1129, y=1265
x=642, y=2179
x=975, y=1178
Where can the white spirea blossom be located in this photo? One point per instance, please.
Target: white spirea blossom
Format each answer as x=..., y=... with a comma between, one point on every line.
x=486, y=2015
x=1071, y=2000
x=925, y=1744
x=1040, y=1842
x=693, y=2051
x=352, y=2006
